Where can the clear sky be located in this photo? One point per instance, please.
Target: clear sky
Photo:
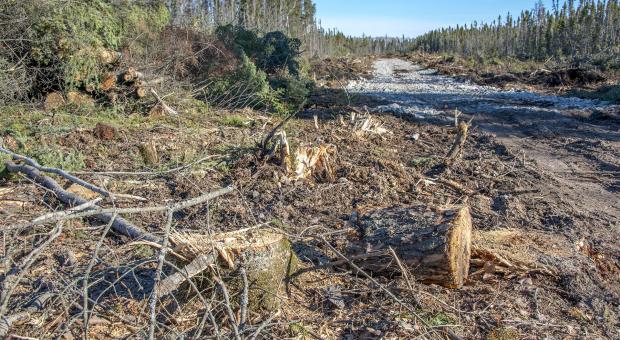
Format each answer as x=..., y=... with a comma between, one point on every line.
x=411, y=17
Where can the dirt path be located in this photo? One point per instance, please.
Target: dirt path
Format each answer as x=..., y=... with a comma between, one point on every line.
x=583, y=157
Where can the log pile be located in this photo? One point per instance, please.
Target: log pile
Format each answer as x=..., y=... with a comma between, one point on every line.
x=127, y=84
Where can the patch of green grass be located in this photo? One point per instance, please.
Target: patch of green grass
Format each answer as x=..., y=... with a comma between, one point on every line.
x=299, y=329
x=440, y=319
x=143, y=251
x=235, y=121
x=420, y=162
x=71, y=160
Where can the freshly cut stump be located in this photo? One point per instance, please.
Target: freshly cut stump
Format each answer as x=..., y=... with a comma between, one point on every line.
x=434, y=243
x=267, y=257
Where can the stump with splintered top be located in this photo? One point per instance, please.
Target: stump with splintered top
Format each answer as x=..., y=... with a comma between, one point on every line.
x=267, y=257
x=434, y=243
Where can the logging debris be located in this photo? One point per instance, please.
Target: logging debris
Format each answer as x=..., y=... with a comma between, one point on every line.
x=366, y=124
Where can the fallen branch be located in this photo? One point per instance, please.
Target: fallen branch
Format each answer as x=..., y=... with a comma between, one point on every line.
x=6, y=322
x=92, y=187
x=120, y=225
x=174, y=281
x=95, y=211
x=15, y=275
x=163, y=104
x=272, y=133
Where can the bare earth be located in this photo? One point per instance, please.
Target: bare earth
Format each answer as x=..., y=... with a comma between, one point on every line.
x=583, y=157
x=559, y=137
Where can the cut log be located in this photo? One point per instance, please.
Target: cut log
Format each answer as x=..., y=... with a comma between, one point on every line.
x=109, y=82
x=132, y=75
x=141, y=92
x=267, y=257
x=435, y=243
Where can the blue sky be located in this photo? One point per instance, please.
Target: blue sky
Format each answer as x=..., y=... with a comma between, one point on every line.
x=411, y=17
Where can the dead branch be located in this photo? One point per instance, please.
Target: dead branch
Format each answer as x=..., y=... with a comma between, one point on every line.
x=160, y=267
x=265, y=144
x=120, y=225
x=13, y=278
x=97, y=211
x=174, y=281
x=6, y=322
x=92, y=187
x=457, y=146
x=231, y=314
x=163, y=104
x=91, y=265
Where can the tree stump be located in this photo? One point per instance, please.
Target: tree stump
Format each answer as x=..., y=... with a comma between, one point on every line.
x=435, y=243
x=149, y=153
x=267, y=257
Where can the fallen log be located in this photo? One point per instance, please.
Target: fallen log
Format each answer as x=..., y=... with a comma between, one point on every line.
x=435, y=243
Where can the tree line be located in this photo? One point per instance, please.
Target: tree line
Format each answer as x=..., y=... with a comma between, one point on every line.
x=568, y=31
x=295, y=18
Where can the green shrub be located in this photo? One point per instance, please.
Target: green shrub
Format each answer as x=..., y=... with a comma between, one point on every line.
x=270, y=68
x=244, y=41
x=293, y=91
x=279, y=52
x=68, y=41
x=72, y=160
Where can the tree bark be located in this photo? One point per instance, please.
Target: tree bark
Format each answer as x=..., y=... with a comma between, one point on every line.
x=435, y=243
x=266, y=256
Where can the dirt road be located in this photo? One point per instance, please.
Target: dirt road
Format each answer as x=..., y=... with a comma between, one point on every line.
x=582, y=155
x=573, y=143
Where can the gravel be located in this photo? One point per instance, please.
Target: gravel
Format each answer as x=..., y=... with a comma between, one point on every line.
x=425, y=94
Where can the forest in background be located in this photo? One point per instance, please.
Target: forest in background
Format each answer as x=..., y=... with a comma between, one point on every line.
x=583, y=32
x=60, y=45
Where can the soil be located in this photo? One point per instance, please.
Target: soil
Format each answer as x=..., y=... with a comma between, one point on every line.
x=539, y=173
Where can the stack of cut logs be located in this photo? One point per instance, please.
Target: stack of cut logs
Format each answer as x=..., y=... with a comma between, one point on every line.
x=124, y=84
